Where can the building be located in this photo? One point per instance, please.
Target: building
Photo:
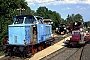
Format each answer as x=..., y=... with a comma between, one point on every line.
x=48, y=21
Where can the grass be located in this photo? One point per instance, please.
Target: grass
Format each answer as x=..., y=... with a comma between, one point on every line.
x=53, y=31
x=1, y=53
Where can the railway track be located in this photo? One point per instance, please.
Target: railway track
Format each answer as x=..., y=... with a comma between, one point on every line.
x=66, y=54
x=86, y=52
x=11, y=58
x=56, y=53
x=57, y=39
x=76, y=55
x=60, y=37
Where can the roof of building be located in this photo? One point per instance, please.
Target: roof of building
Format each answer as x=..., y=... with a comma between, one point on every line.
x=47, y=20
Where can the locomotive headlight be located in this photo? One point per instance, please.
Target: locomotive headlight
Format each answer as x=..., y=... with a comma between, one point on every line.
x=81, y=29
x=21, y=49
x=56, y=29
x=51, y=22
x=65, y=28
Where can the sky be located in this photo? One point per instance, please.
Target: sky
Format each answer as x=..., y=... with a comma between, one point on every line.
x=63, y=7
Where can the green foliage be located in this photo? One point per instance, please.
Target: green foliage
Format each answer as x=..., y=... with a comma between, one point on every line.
x=48, y=14
x=73, y=18
x=8, y=10
x=87, y=24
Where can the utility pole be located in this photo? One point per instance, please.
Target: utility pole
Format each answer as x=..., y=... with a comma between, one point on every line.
x=20, y=9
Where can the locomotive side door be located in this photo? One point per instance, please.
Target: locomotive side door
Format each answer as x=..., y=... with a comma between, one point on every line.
x=33, y=33
x=41, y=32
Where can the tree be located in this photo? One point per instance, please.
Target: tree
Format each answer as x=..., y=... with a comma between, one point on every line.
x=87, y=24
x=79, y=18
x=8, y=10
x=73, y=18
x=48, y=14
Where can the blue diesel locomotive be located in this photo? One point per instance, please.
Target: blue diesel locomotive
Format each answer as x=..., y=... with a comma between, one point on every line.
x=27, y=35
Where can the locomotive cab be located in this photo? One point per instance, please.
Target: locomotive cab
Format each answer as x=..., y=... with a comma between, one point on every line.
x=61, y=29
x=76, y=36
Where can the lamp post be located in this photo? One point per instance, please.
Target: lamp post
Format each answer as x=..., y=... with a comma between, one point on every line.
x=20, y=9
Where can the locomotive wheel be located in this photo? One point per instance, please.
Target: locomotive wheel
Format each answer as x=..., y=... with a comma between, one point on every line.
x=34, y=50
x=42, y=47
x=9, y=54
x=46, y=45
x=39, y=48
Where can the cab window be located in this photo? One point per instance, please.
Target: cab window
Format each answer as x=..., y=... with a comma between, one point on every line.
x=19, y=20
x=29, y=20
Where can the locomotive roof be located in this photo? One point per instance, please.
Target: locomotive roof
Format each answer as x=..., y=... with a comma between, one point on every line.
x=28, y=16
x=48, y=20
x=24, y=15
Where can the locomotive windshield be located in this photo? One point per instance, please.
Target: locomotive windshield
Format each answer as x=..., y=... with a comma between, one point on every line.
x=75, y=33
x=28, y=19
x=18, y=20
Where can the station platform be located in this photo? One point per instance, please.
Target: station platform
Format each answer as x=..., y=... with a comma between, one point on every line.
x=49, y=50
